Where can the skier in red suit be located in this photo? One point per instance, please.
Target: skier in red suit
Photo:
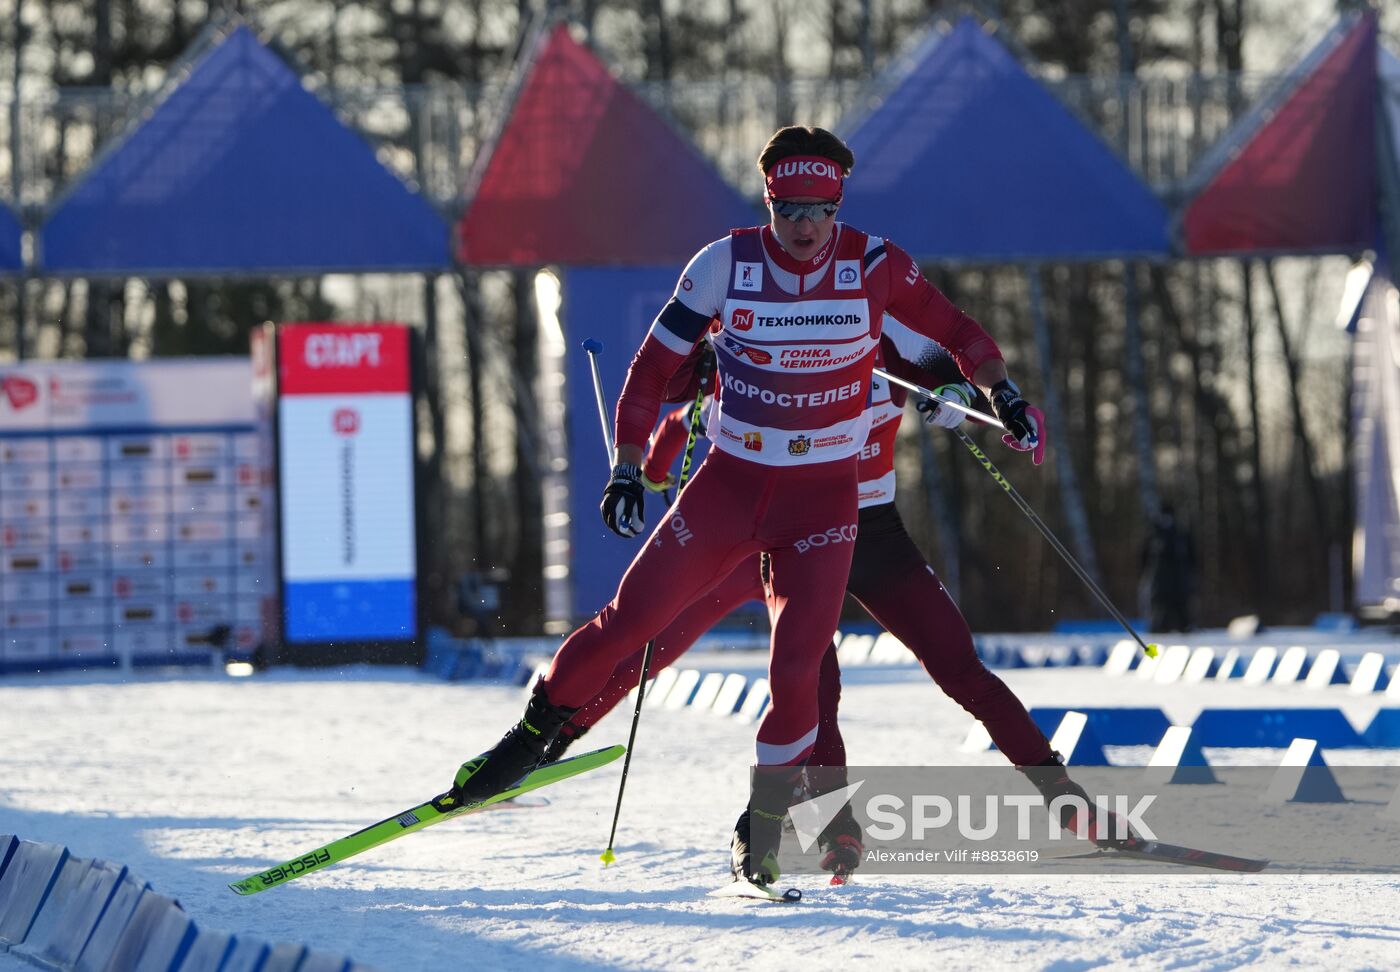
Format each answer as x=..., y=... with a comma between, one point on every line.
x=889, y=577
x=799, y=304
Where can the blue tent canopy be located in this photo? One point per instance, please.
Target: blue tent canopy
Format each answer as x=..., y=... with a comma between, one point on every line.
x=970, y=158
x=10, y=232
x=241, y=170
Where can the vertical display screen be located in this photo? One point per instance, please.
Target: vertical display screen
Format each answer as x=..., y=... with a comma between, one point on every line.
x=345, y=460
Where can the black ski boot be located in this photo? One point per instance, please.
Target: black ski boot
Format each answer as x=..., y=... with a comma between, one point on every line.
x=568, y=734
x=841, y=845
x=753, y=850
x=513, y=758
x=743, y=864
x=1103, y=828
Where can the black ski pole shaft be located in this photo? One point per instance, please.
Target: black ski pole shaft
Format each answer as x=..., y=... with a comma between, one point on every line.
x=702, y=369
x=1150, y=650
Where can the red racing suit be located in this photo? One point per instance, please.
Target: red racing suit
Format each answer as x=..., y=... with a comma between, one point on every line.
x=889, y=577
x=794, y=346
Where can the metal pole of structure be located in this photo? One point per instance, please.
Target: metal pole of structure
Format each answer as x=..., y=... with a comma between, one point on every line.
x=1132, y=327
x=867, y=44
x=17, y=180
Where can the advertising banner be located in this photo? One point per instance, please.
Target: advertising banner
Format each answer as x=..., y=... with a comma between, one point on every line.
x=118, y=511
x=346, y=478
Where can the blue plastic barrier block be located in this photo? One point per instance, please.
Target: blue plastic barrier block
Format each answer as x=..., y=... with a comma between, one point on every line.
x=172, y=937
x=209, y=950
x=1011, y=658
x=322, y=962
x=110, y=926
x=1299, y=780
x=8, y=843
x=25, y=885
x=1275, y=728
x=247, y=955
x=285, y=957
x=1112, y=726
x=1384, y=730
x=96, y=885
x=48, y=923
x=1334, y=622
x=155, y=939
x=1178, y=759
x=1087, y=749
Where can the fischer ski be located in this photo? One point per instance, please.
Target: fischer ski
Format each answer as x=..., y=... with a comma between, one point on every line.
x=415, y=818
x=759, y=892
x=1154, y=850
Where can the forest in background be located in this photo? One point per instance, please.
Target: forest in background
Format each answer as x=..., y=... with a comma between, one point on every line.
x=1243, y=375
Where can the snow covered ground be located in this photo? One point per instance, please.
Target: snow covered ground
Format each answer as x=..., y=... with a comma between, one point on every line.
x=195, y=781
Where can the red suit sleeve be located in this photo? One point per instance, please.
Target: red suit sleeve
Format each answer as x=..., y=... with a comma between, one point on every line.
x=922, y=307
x=667, y=442
x=642, y=393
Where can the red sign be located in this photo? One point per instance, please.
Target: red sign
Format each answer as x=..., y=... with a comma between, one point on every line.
x=346, y=421
x=741, y=319
x=331, y=359
x=20, y=391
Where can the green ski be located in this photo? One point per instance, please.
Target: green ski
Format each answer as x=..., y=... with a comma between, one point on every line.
x=416, y=818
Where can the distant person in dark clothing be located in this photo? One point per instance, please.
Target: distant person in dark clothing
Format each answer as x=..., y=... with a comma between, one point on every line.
x=1169, y=557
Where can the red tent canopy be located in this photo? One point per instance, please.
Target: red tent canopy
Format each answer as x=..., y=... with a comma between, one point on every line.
x=584, y=172
x=1299, y=173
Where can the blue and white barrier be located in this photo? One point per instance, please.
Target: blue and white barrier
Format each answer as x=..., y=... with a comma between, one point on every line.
x=1115, y=726
x=1303, y=776
x=705, y=695
x=1261, y=665
x=1276, y=728
x=1171, y=665
x=1201, y=666
x=684, y=690
x=1178, y=759
x=1315, y=669
x=1075, y=740
x=1368, y=673
x=1230, y=666
x=1384, y=730
x=755, y=701
x=1293, y=666
x=1326, y=670
x=1122, y=658
x=731, y=693
x=71, y=914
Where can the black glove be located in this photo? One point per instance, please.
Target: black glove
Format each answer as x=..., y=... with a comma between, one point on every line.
x=1025, y=424
x=623, y=501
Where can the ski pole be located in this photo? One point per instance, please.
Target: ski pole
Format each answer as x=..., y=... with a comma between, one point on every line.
x=703, y=371
x=1149, y=649
x=594, y=347
x=972, y=413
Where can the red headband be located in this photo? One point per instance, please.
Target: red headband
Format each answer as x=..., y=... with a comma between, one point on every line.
x=804, y=175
